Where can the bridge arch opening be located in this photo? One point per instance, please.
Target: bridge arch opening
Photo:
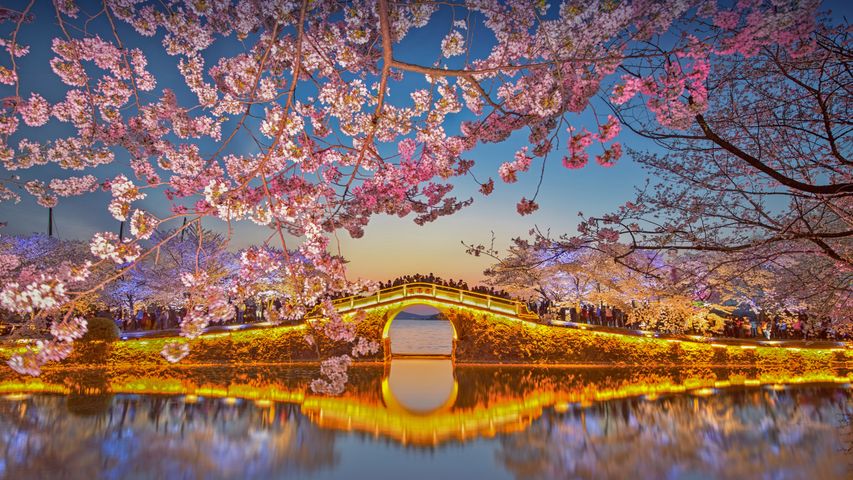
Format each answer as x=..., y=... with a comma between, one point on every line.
x=418, y=329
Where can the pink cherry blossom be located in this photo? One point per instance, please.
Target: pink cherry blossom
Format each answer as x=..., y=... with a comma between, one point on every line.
x=142, y=224
x=453, y=44
x=74, y=185
x=69, y=330
x=35, y=111
x=174, y=352
x=526, y=207
x=106, y=245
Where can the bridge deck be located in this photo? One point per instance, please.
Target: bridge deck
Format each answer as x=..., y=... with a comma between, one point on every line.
x=440, y=293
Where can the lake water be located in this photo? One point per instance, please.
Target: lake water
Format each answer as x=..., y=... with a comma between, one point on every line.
x=421, y=337
x=427, y=419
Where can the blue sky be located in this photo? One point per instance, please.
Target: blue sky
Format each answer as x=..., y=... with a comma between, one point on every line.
x=391, y=246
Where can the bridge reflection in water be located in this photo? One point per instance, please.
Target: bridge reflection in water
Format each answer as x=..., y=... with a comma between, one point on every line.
x=542, y=422
x=422, y=401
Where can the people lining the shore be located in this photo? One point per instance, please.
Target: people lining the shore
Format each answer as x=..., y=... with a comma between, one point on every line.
x=784, y=327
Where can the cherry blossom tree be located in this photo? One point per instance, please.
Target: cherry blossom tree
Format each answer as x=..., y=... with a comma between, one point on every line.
x=568, y=276
x=756, y=187
x=329, y=113
x=153, y=281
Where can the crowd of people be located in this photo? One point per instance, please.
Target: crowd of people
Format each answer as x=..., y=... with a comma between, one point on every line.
x=751, y=325
x=605, y=315
x=460, y=284
x=155, y=317
x=799, y=327
x=760, y=325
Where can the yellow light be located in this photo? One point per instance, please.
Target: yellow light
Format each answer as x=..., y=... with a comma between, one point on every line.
x=703, y=392
x=190, y=398
x=17, y=396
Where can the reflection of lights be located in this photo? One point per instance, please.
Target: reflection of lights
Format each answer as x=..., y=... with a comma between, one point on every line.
x=17, y=396
x=703, y=392
x=499, y=413
x=420, y=387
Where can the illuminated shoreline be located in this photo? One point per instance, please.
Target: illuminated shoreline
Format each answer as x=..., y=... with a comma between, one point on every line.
x=485, y=410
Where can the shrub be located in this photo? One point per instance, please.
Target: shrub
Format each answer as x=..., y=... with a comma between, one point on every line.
x=101, y=328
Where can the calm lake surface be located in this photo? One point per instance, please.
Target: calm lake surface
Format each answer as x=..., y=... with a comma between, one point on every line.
x=427, y=419
x=421, y=337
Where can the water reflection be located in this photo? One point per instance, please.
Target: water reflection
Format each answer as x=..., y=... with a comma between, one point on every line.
x=420, y=386
x=496, y=422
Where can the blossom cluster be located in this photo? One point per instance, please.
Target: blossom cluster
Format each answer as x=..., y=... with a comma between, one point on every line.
x=106, y=245
x=142, y=224
x=124, y=192
x=69, y=330
x=508, y=170
x=31, y=361
x=335, y=372
x=42, y=293
x=174, y=352
x=74, y=185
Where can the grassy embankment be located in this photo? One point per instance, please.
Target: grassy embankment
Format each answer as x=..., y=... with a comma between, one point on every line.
x=483, y=338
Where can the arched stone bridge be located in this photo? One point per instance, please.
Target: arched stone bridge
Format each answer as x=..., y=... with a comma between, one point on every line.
x=400, y=297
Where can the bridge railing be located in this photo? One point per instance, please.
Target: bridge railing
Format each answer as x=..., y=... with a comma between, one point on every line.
x=438, y=292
